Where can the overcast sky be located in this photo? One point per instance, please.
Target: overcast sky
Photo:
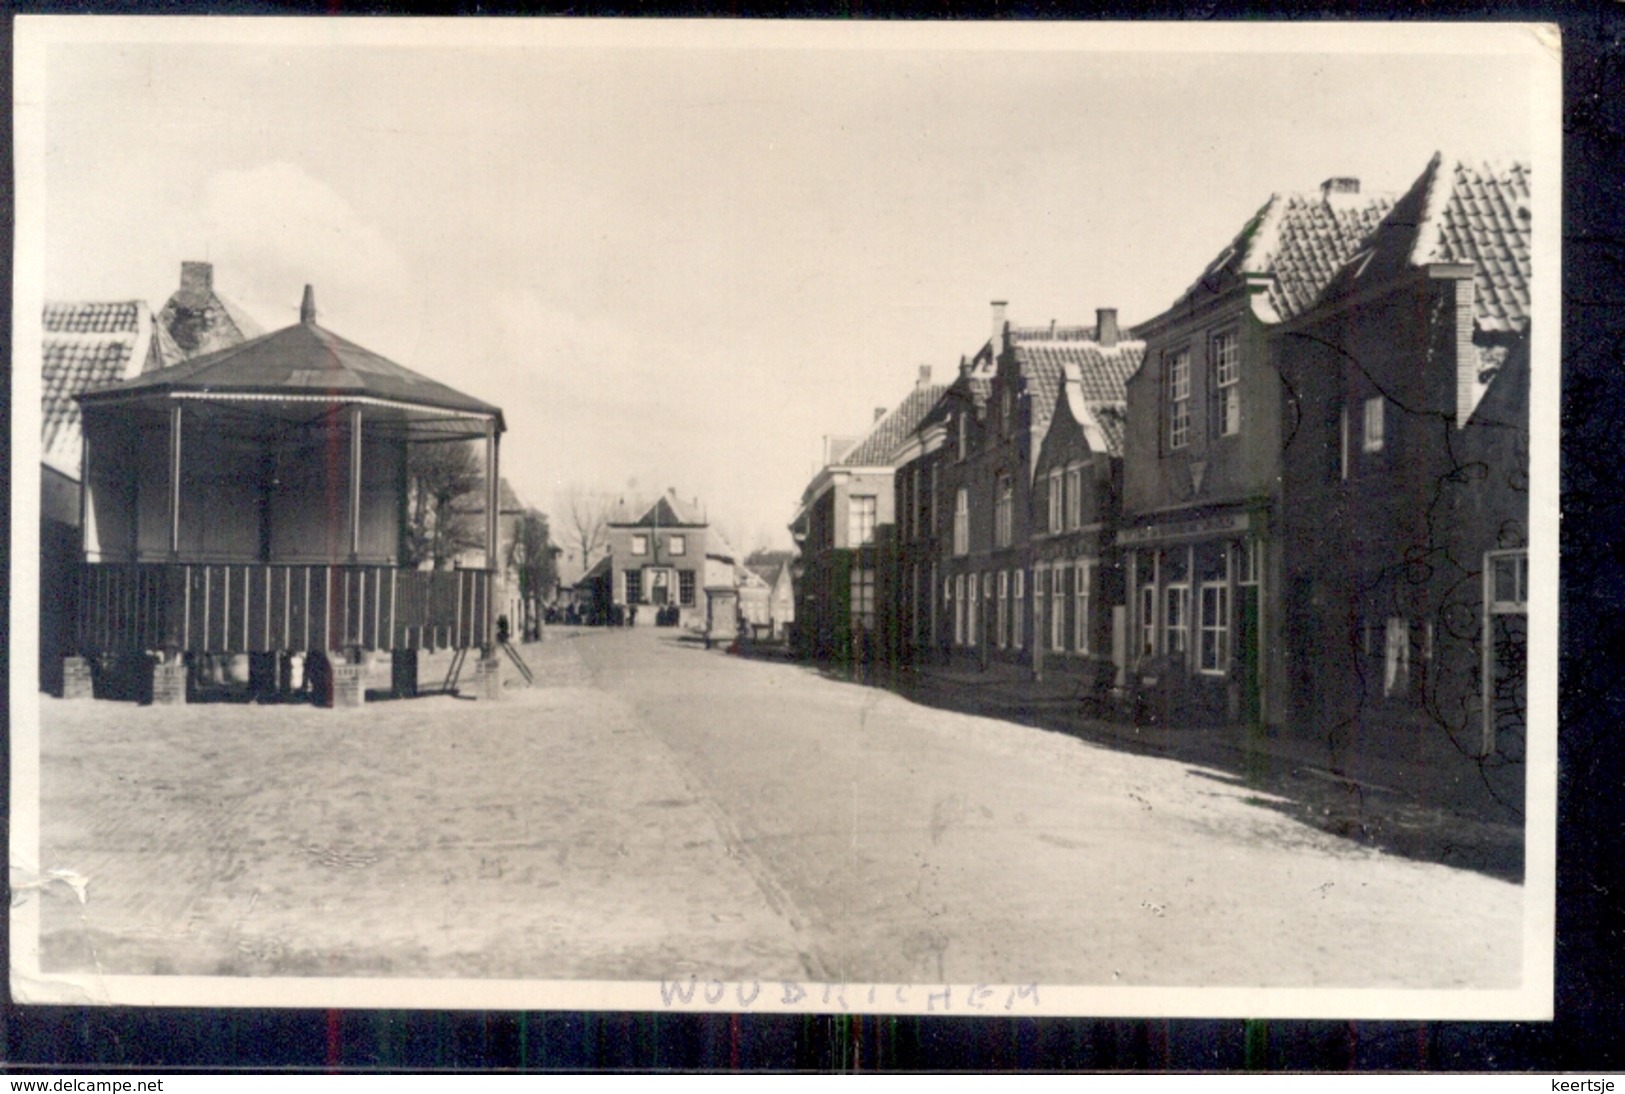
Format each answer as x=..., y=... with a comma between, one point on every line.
x=681, y=261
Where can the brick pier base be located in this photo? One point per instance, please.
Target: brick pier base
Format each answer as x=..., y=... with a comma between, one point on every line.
x=488, y=678
x=169, y=683
x=77, y=680
x=349, y=685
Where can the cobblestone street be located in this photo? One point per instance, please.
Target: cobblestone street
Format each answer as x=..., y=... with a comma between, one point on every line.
x=653, y=809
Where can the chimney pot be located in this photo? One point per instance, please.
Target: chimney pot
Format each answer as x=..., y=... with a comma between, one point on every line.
x=307, y=307
x=1339, y=187
x=998, y=327
x=880, y=412
x=925, y=375
x=197, y=277
x=1106, y=326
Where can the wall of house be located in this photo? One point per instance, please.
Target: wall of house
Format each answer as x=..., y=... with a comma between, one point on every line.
x=1235, y=468
x=1094, y=538
x=1384, y=549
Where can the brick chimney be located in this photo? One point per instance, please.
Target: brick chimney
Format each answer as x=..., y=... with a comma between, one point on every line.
x=925, y=377
x=998, y=327
x=307, y=307
x=1106, y=327
x=1340, y=192
x=197, y=277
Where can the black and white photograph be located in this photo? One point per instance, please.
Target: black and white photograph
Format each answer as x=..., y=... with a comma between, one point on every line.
x=1007, y=519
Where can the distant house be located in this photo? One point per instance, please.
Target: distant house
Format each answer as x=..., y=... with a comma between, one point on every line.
x=86, y=347
x=775, y=569
x=994, y=594
x=846, y=511
x=200, y=320
x=659, y=554
x=511, y=510
x=1405, y=504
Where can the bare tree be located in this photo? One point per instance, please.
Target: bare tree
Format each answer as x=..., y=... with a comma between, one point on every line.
x=534, y=557
x=444, y=484
x=588, y=523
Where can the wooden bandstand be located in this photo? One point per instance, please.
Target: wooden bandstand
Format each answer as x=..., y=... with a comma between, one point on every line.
x=254, y=501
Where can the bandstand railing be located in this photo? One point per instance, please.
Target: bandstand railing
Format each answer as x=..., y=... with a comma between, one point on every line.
x=261, y=608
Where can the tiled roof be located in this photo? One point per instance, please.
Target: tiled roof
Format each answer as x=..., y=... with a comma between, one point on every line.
x=883, y=439
x=767, y=571
x=666, y=511
x=1102, y=371
x=1302, y=239
x=205, y=322
x=1460, y=212
x=86, y=347
x=1486, y=221
x=304, y=359
x=117, y=317
x=1052, y=333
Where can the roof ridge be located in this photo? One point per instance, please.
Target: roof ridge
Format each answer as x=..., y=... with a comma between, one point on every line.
x=1434, y=198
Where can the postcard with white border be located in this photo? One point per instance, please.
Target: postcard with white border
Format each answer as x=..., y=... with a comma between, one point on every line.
x=1019, y=519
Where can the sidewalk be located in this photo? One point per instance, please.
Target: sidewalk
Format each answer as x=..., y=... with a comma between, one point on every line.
x=1424, y=800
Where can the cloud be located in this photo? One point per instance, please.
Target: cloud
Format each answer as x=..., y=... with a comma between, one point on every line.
x=276, y=227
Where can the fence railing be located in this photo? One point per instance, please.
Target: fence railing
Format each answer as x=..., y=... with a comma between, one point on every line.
x=257, y=608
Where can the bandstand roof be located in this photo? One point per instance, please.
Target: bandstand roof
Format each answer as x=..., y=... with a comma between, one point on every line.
x=304, y=363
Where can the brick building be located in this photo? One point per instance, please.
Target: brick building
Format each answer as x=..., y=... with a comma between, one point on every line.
x=845, y=518
x=1405, y=508
x=1202, y=461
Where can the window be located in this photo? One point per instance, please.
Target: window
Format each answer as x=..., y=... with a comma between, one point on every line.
x=1213, y=656
x=962, y=522
x=1074, y=497
x=1057, y=609
x=1226, y=359
x=634, y=586
x=1373, y=424
x=964, y=427
x=1004, y=512
x=1509, y=582
x=933, y=499
x=1343, y=445
x=1178, y=368
x=1054, y=516
x=1178, y=618
x=860, y=521
x=1082, y=583
x=677, y=545
x=914, y=503
x=685, y=588
x=1247, y=551
x=958, y=598
x=1018, y=609
x=862, y=604
x=640, y=545
x=1148, y=619
x=1004, y=413
x=972, y=596
x=1003, y=630
x=1396, y=660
